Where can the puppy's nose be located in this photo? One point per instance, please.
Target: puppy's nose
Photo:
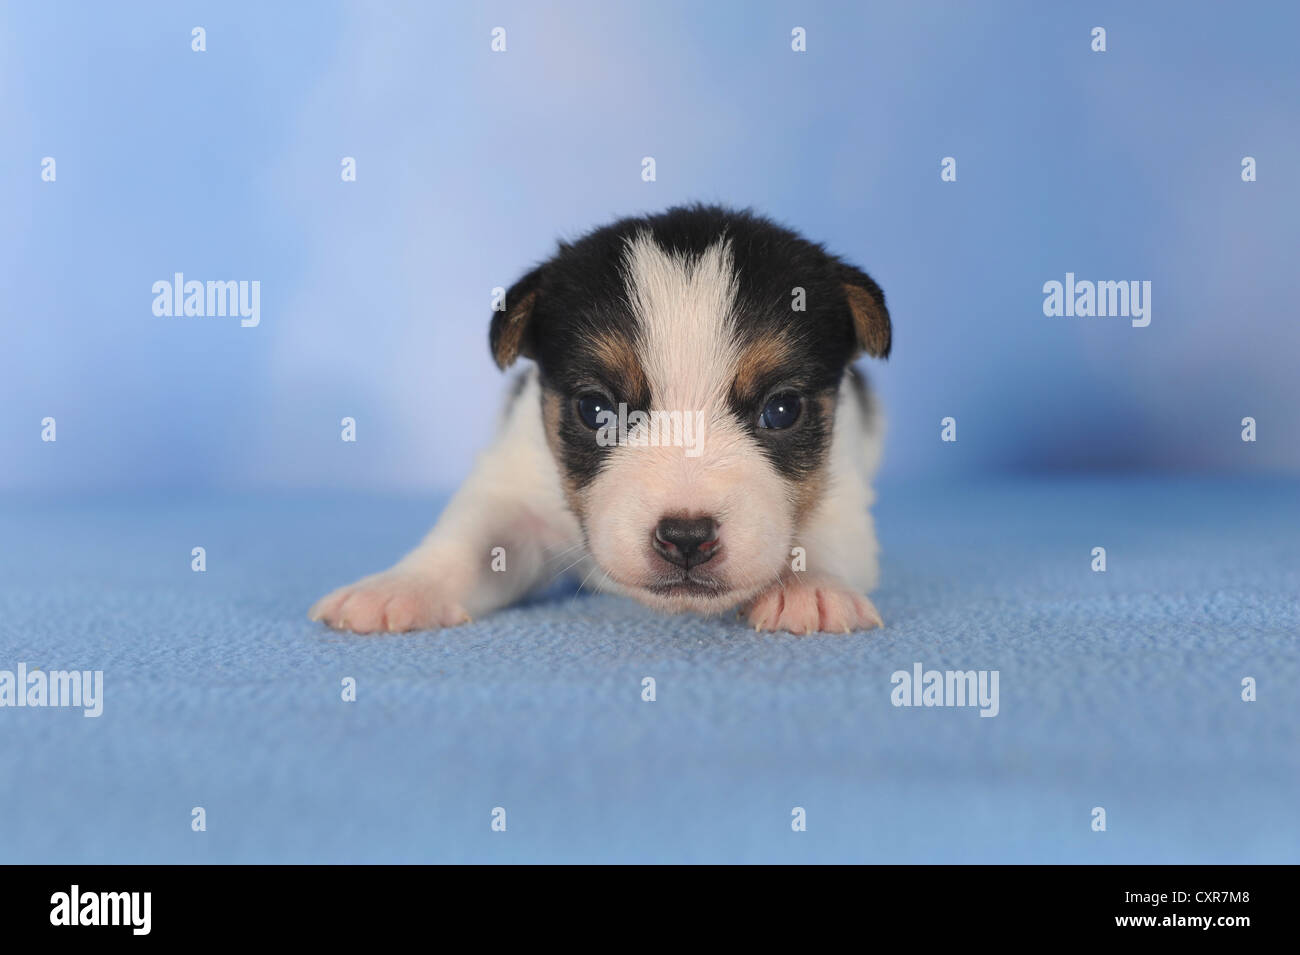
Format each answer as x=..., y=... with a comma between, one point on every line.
x=686, y=541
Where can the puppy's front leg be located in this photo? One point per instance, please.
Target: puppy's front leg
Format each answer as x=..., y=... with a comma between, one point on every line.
x=513, y=501
x=830, y=595
x=828, y=591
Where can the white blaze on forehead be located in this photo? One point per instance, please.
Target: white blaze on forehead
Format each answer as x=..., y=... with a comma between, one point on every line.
x=683, y=305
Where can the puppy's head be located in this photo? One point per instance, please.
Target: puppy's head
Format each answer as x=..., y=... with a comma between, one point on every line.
x=690, y=364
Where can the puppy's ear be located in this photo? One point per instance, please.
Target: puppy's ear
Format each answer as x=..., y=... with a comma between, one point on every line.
x=867, y=306
x=509, y=336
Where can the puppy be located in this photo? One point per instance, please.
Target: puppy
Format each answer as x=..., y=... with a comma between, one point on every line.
x=690, y=434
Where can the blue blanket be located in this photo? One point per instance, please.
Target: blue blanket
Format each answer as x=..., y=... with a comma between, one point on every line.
x=1120, y=690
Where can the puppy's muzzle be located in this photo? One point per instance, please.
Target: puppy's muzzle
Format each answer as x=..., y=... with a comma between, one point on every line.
x=686, y=541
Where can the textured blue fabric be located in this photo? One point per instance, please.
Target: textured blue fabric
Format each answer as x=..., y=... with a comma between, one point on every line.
x=1120, y=690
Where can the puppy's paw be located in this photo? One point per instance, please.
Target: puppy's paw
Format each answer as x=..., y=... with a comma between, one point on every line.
x=805, y=605
x=391, y=602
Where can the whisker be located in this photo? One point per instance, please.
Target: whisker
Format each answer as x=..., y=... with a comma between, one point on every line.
x=557, y=557
x=568, y=550
x=583, y=584
x=558, y=574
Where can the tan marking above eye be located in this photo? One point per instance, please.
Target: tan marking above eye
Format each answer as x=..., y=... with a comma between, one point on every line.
x=759, y=360
x=617, y=356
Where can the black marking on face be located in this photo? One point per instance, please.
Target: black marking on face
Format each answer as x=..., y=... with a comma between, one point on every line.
x=799, y=451
x=599, y=362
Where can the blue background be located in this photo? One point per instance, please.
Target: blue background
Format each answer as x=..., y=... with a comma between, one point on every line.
x=1119, y=689
x=376, y=294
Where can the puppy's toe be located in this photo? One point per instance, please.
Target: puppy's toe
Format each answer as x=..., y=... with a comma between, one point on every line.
x=844, y=611
x=327, y=607
x=765, y=610
x=402, y=612
x=363, y=610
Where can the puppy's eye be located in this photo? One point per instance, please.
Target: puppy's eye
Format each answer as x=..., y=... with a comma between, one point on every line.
x=590, y=407
x=781, y=411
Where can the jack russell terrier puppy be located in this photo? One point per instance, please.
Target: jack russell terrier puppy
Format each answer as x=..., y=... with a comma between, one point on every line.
x=690, y=434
